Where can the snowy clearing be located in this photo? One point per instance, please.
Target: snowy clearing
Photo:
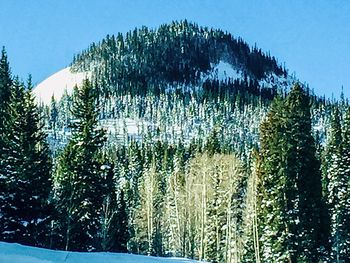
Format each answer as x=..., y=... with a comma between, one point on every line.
x=57, y=83
x=15, y=253
x=224, y=70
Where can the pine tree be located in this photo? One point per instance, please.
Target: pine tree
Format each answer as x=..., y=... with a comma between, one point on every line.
x=304, y=167
x=338, y=187
x=5, y=88
x=5, y=95
x=122, y=233
x=271, y=198
x=115, y=230
x=344, y=195
x=53, y=116
x=335, y=173
x=28, y=168
x=79, y=183
x=292, y=212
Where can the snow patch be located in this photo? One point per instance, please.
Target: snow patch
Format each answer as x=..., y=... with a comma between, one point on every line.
x=274, y=81
x=56, y=84
x=224, y=70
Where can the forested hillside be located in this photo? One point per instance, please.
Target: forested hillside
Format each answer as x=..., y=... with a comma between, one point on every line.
x=185, y=141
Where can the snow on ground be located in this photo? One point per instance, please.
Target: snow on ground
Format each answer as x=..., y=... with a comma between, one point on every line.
x=272, y=80
x=15, y=253
x=224, y=70
x=57, y=84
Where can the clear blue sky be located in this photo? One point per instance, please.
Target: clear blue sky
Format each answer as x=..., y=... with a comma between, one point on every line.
x=311, y=37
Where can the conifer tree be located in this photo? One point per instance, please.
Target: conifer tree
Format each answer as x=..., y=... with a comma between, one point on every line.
x=79, y=183
x=5, y=88
x=338, y=187
x=122, y=233
x=5, y=95
x=53, y=118
x=304, y=167
x=292, y=214
x=335, y=173
x=344, y=195
x=115, y=230
x=28, y=168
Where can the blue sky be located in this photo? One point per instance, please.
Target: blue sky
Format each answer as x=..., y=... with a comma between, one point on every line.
x=311, y=37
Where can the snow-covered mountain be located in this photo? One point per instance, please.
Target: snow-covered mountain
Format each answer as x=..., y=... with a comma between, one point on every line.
x=56, y=85
x=15, y=253
x=179, y=54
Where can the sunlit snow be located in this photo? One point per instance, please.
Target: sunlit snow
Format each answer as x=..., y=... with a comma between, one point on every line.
x=224, y=70
x=15, y=253
x=57, y=84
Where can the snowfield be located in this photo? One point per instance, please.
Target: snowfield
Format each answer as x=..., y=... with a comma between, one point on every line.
x=15, y=253
x=57, y=84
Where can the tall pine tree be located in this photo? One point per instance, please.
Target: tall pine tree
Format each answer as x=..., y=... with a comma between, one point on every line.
x=5, y=95
x=28, y=169
x=291, y=216
x=79, y=182
x=338, y=175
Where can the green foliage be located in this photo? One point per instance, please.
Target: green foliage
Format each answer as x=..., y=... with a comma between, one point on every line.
x=338, y=186
x=292, y=210
x=28, y=170
x=79, y=184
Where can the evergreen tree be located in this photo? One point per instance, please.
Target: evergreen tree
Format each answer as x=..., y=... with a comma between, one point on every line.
x=304, y=167
x=338, y=187
x=335, y=173
x=115, y=230
x=292, y=213
x=5, y=95
x=122, y=233
x=28, y=168
x=79, y=184
x=5, y=88
x=344, y=194
x=53, y=116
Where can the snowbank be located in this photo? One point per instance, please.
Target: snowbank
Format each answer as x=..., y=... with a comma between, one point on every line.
x=15, y=253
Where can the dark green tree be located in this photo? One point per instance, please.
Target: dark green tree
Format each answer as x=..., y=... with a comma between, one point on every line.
x=344, y=195
x=5, y=88
x=5, y=95
x=53, y=115
x=79, y=182
x=303, y=167
x=292, y=212
x=28, y=168
x=122, y=233
x=338, y=175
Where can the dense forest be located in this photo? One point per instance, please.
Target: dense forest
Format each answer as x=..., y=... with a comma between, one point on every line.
x=156, y=154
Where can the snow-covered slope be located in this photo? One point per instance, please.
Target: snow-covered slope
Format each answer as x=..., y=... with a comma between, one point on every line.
x=57, y=84
x=15, y=253
x=224, y=70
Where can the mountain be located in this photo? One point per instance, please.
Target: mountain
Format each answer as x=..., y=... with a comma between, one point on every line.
x=179, y=53
x=25, y=254
x=147, y=79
